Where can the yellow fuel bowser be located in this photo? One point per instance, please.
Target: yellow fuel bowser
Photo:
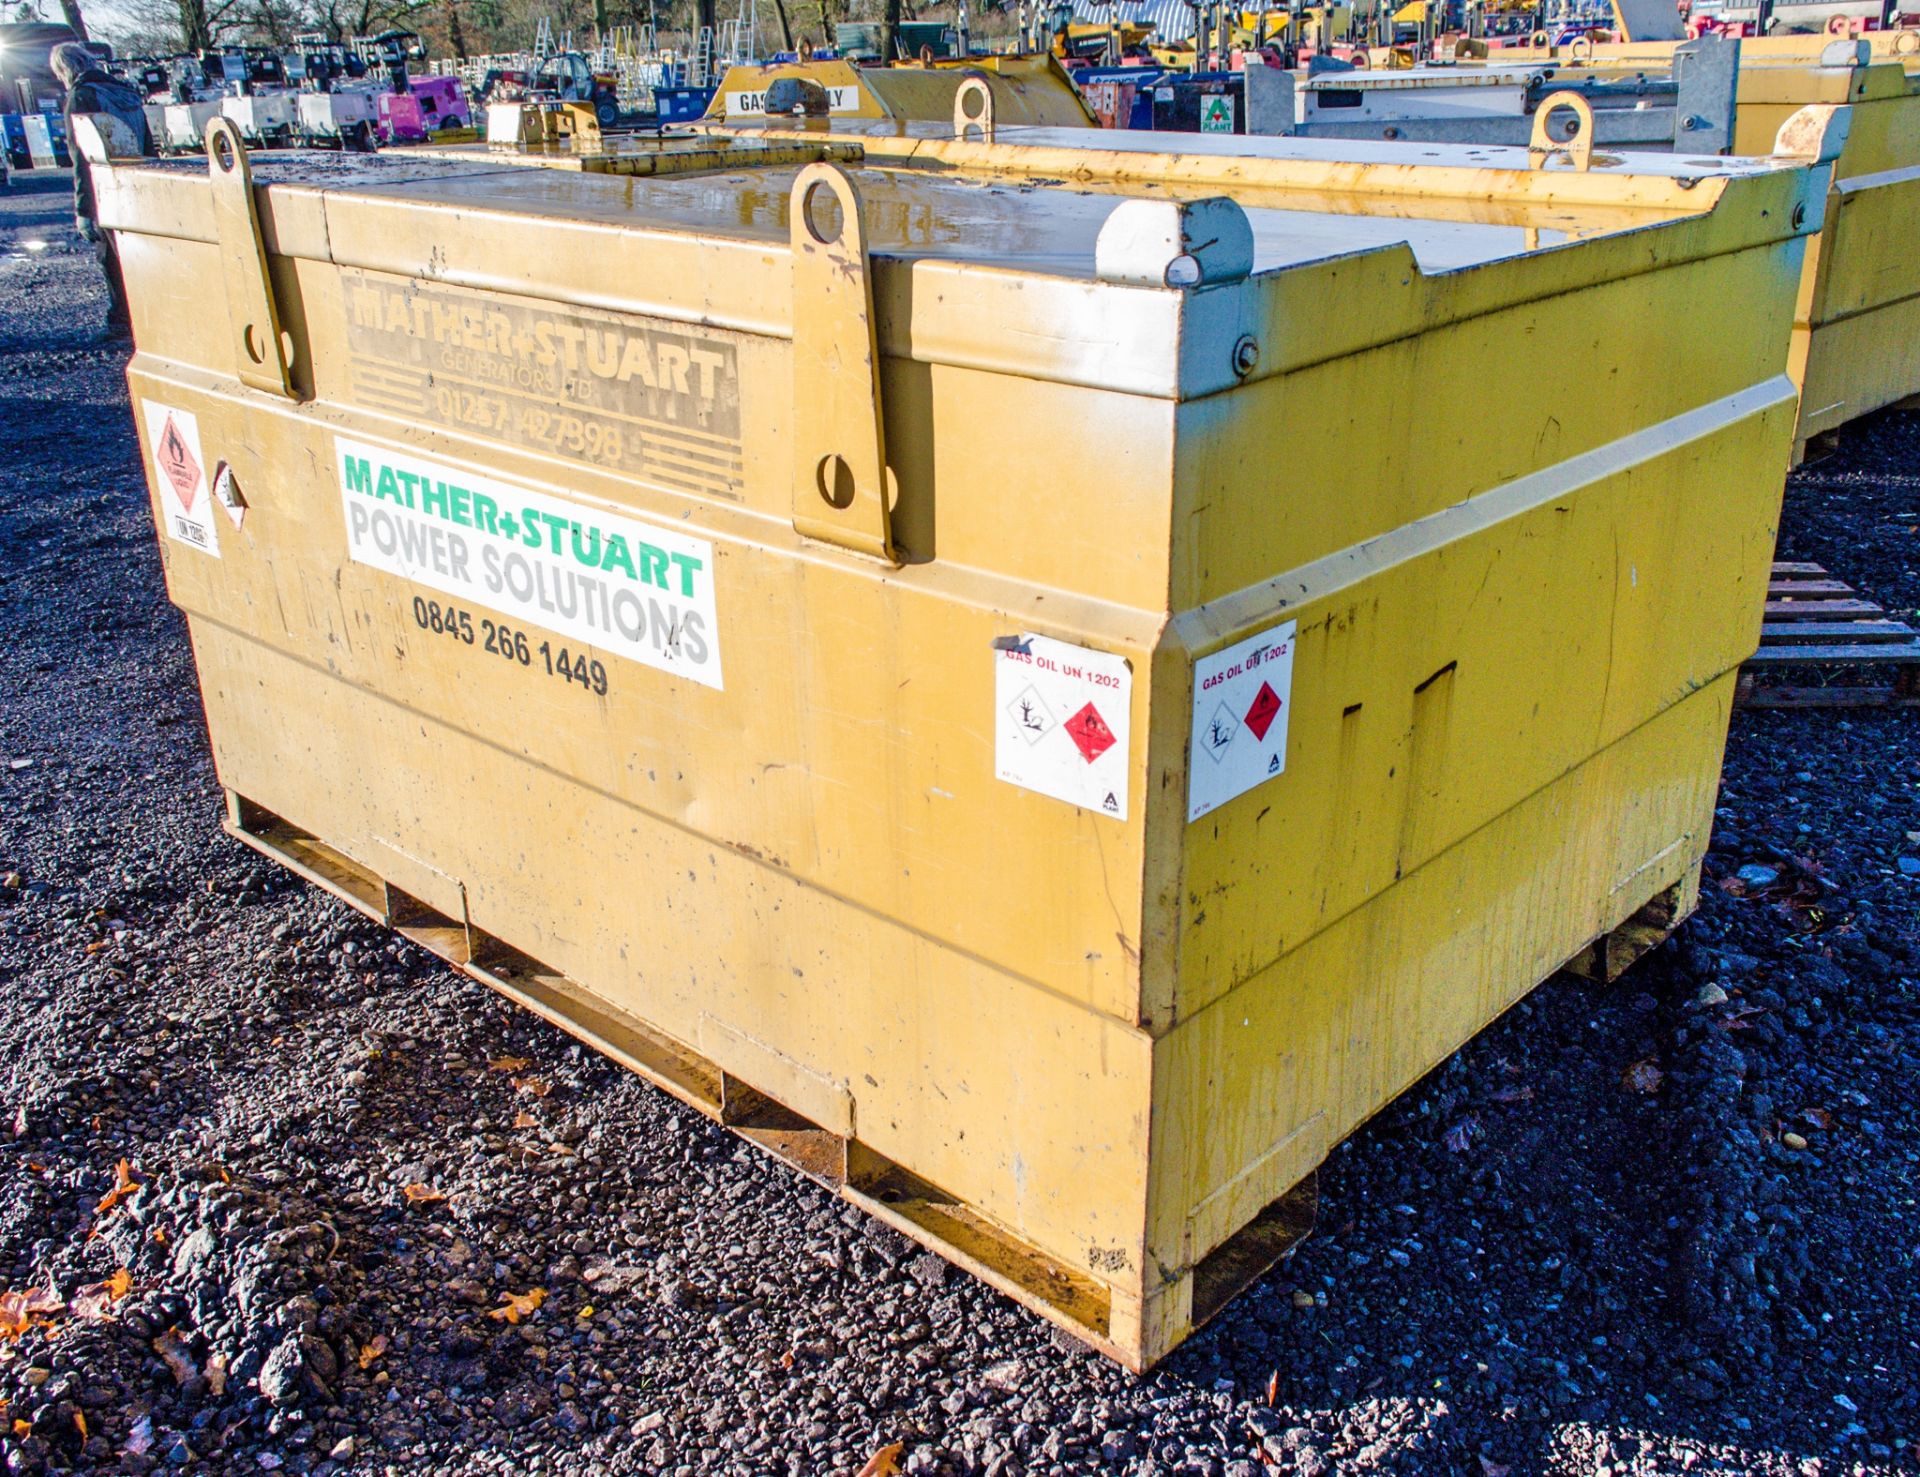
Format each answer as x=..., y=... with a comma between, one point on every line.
x=1025, y=89
x=1857, y=328
x=829, y=623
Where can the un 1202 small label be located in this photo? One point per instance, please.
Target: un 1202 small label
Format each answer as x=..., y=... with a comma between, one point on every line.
x=1062, y=718
x=1241, y=700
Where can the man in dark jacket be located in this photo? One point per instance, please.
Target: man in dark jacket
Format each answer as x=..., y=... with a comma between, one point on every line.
x=91, y=89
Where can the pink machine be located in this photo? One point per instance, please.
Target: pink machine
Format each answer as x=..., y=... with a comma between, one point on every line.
x=430, y=104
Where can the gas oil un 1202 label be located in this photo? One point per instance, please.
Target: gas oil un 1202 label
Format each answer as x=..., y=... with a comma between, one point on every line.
x=1241, y=700
x=1062, y=718
x=629, y=588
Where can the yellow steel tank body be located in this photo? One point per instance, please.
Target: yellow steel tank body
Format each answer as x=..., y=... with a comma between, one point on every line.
x=974, y=662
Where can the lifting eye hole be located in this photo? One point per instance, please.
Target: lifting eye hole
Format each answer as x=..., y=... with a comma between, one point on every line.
x=835, y=480
x=824, y=219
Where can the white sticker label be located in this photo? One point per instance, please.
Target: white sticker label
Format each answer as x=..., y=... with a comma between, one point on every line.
x=1240, y=702
x=629, y=588
x=180, y=470
x=226, y=492
x=839, y=100
x=1061, y=722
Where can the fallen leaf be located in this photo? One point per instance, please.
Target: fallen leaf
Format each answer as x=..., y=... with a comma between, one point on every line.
x=173, y=1350
x=525, y=1120
x=372, y=1349
x=124, y=1185
x=586, y=1312
x=1818, y=1118
x=419, y=1194
x=532, y=1086
x=1642, y=1077
x=515, y=1306
x=786, y=1360
x=94, y=1302
x=885, y=1462
x=21, y=1430
x=217, y=1373
x=34, y=1308
x=1273, y=1388
x=80, y=1425
x=510, y=1064
x=1459, y=1138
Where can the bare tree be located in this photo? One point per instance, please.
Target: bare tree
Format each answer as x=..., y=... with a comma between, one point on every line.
x=344, y=19
x=179, y=25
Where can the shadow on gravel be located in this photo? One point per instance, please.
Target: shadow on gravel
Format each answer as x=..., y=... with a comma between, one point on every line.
x=372, y=1219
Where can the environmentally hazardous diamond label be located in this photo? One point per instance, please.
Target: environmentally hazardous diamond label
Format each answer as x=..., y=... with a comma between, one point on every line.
x=1240, y=701
x=629, y=588
x=1064, y=715
x=180, y=468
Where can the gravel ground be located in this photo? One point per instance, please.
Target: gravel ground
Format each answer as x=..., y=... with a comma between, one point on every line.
x=1661, y=1227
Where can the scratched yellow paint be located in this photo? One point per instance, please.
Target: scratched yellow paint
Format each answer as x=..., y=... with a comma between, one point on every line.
x=1082, y=1056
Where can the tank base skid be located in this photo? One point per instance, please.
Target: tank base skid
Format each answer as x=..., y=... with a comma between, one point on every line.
x=889, y=1192
x=1612, y=954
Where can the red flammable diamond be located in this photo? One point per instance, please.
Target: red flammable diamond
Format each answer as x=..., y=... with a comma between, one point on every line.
x=1266, y=707
x=1089, y=733
x=178, y=463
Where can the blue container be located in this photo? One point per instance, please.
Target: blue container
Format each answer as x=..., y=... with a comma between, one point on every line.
x=13, y=131
x=681, y=104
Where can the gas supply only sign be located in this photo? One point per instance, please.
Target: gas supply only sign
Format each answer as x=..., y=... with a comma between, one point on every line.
x=1241, y=698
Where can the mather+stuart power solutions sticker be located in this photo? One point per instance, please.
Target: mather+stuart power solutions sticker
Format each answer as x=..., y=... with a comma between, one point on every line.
x=1062, y=718
x=180, y=468
x=627, y=587
x=1241, y=699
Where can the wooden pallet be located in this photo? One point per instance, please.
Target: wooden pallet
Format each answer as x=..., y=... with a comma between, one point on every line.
x=1815, y=620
